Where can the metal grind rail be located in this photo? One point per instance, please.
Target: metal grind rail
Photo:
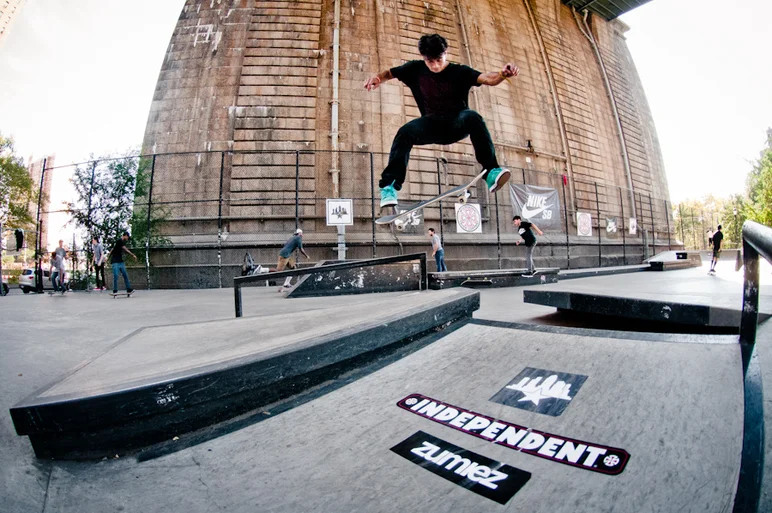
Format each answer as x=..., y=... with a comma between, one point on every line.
x=757, y=241
x=240, y=281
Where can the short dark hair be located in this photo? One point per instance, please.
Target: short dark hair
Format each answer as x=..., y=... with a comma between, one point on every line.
x=516, y=218
x=431, y=230
x=126, y=234
x=719, y=227
x=432, y=46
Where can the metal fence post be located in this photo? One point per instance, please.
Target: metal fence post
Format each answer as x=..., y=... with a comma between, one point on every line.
x=439, y=191
x=372, y=199
x=149, y=211
x=653, y=228
x=498, y=230
x=297, y=189
x=38, y=233
x=667, y=217
x=624, y=236
x=219, y=220
x=88, y=226
x=565, y=211
x=600, y=245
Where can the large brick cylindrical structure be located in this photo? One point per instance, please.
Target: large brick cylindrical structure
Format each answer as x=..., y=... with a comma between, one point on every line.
x=247, y=75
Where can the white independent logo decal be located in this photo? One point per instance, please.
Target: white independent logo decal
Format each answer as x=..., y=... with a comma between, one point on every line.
x=537, y=203
x=568, y=451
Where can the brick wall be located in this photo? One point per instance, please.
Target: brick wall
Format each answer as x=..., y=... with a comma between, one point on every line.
x=248, y=75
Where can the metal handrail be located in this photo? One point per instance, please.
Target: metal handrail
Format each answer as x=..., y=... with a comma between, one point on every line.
x=757, y=241
x=240, y=281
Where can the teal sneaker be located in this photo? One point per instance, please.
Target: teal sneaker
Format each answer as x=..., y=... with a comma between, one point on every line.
x=496, y=178
x=388, y=196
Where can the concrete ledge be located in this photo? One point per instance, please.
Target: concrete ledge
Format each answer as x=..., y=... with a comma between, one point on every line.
x=491, y=278
x=398, y=277
x=673, y=260
x=632, y=308
x=572, y=274
x=165, y=381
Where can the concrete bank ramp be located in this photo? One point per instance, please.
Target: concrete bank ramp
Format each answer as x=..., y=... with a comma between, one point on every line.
x=489, y=418
x=165, y=381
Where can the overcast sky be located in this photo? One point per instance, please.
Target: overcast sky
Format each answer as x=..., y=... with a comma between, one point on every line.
x=80, y=81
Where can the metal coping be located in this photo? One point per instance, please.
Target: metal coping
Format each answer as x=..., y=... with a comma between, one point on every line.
x=757, y=241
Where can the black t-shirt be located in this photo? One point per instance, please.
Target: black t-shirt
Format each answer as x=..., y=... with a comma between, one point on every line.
x=525, y=232
x=717, y=238
x=116, y=255
x=441, y=94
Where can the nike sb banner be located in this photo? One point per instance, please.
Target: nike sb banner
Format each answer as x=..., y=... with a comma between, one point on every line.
x=535, y=204
x=612, y=227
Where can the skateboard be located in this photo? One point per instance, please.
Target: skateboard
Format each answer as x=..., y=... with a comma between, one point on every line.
x=127, y=294
x=462, y=192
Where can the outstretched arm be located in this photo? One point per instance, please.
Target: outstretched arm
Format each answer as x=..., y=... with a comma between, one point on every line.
x=494, y=78
x=537, y=229
x=376, y=80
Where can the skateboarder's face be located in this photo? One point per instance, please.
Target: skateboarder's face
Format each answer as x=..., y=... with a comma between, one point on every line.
x=516, y=222
x=438, y=64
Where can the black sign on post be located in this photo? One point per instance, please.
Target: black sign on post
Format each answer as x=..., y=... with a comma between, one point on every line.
x=479, y=474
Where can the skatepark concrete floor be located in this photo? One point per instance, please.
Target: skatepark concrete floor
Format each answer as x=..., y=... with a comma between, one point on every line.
x=43, y=337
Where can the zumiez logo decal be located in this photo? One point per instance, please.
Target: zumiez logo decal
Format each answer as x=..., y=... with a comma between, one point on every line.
x=481, y=475
x=568, y=451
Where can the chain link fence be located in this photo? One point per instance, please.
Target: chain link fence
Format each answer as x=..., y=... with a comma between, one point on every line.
x=194, y=216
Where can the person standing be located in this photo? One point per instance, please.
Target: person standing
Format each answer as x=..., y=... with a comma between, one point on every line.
x=99, y=258
x=286, y=258
x=437, y=252
x=524, y=229
x=441, y=91
x=718, y=237
x=116, y=256
x=59, y=258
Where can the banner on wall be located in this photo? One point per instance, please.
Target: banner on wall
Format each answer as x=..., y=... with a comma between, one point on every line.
x=612, y=227
x=540, y=205
x=583, y=224
x=468, y=218
x=412, y=223
x=633, y=226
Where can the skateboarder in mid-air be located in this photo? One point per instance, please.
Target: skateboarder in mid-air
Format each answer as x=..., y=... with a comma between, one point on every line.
x=717, y=238
x=441, y=90
x=524, y=229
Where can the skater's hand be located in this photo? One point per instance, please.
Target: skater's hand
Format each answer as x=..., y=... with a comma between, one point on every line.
x=373, y=83
x=517, y=242
x=510, y=70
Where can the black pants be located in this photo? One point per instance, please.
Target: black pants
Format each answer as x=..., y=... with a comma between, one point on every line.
x=438, y=130
x=100, y=270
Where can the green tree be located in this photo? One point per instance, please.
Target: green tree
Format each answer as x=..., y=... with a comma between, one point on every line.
x=695, y=219
x=112, y=196
x=16, y=187
x=759, y=187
